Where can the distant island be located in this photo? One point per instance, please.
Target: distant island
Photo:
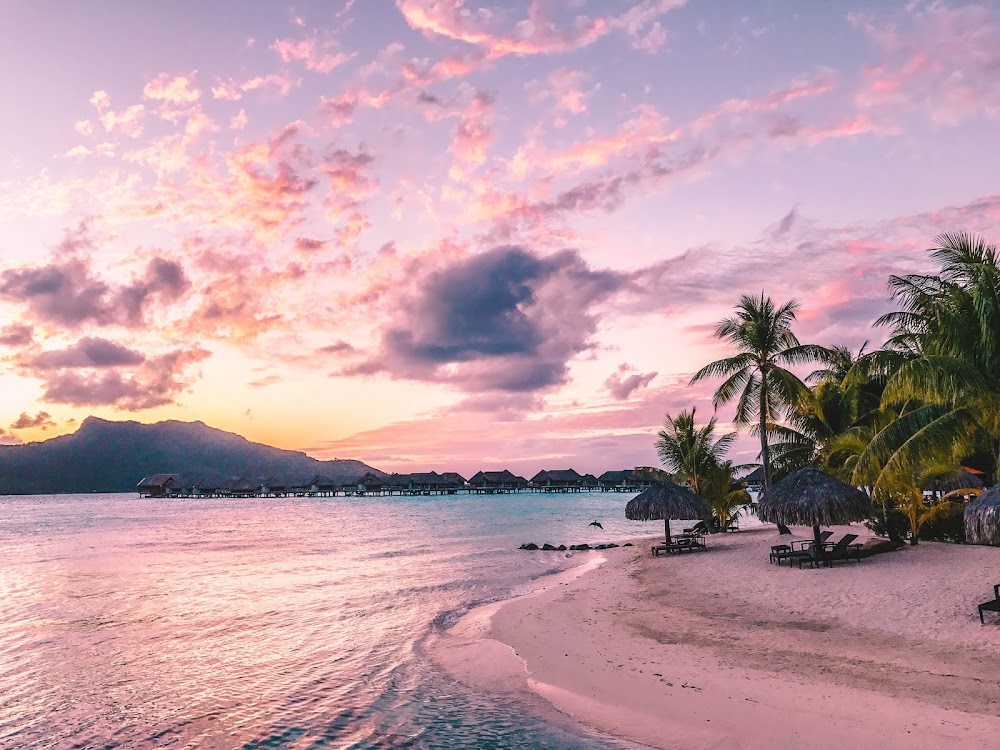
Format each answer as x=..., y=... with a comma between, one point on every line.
x=106, y=456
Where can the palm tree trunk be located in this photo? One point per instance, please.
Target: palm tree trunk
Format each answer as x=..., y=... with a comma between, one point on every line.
x=765, y=449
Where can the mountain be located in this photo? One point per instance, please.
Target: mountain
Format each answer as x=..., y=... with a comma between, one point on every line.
x=108, y=456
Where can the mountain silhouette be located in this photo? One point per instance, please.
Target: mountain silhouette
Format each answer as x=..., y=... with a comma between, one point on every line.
x=105, y=456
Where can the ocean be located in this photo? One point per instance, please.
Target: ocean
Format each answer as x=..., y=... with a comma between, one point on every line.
x=271, y=623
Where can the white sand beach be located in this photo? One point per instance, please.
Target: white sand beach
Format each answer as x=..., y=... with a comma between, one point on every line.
x=721, y=649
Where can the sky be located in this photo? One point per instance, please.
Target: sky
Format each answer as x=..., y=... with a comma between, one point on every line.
x=462, y=235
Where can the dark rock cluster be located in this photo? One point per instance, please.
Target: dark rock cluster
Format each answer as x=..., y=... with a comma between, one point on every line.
x=577, y=547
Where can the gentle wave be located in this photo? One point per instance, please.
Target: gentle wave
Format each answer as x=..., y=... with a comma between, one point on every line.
x=277, y=623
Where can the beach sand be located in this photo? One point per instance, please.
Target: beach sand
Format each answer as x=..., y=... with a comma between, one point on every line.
x=721, y=649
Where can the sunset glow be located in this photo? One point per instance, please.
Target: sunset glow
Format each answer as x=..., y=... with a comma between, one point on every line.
x=462, y=235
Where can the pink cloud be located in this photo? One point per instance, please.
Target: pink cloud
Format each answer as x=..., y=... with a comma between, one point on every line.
x=100, y=101
x=232, y=90
x=172, y=90
x=625, y=381
x=157, y=381
x=128, y=122
x=924, y=69
x=473, y=135
x=490, y=29
x=314, y=54
x=239, y=121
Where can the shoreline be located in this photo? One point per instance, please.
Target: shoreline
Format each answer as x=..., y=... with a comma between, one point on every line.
x=722, y=650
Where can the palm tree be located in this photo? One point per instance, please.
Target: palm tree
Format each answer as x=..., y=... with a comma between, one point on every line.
x=726, y=496
x=689, y=451
x=942, y=362
x=756, y=376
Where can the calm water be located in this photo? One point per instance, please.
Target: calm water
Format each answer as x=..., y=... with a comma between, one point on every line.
x=277, y=623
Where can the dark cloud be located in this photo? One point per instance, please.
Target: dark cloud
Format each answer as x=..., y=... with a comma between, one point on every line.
x=164, y=279
x=625, y=381
x=42, y=419
x=67, y=292
x=505, y=320
x=309, y=245
x=16, y=334
x=337, y=347
x=62, y=292
x=7, y=438
x=88, y=352
x=155, y=382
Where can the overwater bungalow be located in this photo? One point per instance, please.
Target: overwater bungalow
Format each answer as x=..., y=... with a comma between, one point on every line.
x=205, y=488
x=275, y=487
x=754, y=481
x=454, y=479
x=589, y=482
x=242, y=487
x=557, y=479
x=321, y=485
x=370, y=483
x=496, y=481
x=616, y=481
x=157, y=485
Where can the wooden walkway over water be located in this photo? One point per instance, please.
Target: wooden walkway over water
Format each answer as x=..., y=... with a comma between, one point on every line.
x=188, y=493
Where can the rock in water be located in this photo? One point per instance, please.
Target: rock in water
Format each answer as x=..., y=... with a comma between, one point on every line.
x=529, y=545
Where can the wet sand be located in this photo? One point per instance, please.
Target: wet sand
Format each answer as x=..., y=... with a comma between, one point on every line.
x=723, y=650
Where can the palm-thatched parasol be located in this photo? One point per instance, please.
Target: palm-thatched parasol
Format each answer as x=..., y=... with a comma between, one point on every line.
x=961, y=482
x=666, y=500
x=810, y=497
x=982, y=518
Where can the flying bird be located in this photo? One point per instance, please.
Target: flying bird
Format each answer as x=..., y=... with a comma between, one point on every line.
x=595, y=523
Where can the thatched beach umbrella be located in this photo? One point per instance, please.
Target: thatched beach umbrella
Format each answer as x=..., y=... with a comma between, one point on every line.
x=666, y=500
x=810, y=497
x=962, y=481
x=982, y=518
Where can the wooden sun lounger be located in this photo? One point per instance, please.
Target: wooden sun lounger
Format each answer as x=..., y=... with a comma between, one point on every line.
x=788, y=552
x=990, y=606
x=844, y=549
x=682, y=543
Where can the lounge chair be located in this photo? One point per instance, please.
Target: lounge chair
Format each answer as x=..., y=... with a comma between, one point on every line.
x=991, y=606
x=789, y=552
x=844, y=549
x=681, y=543
x=699, y=528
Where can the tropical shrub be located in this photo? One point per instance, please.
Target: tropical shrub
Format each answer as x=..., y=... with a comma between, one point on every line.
x=944, y=522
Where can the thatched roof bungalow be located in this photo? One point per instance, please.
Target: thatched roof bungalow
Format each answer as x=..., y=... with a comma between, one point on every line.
x=496, y=480
x=370, y=483
x=962, y=479
x=754, y=480
x=982, y=518
x=556, y=478
x=242, y=487
x=625, y=478
x=157, y=485
x=589, y=481
x=454, y=479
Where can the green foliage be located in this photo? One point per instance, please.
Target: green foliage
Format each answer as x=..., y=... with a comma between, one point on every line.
x=890, y=522
x=756, y=377
x=944, y=522
x=726, y=496
x=941, y=363
x=689, y=451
